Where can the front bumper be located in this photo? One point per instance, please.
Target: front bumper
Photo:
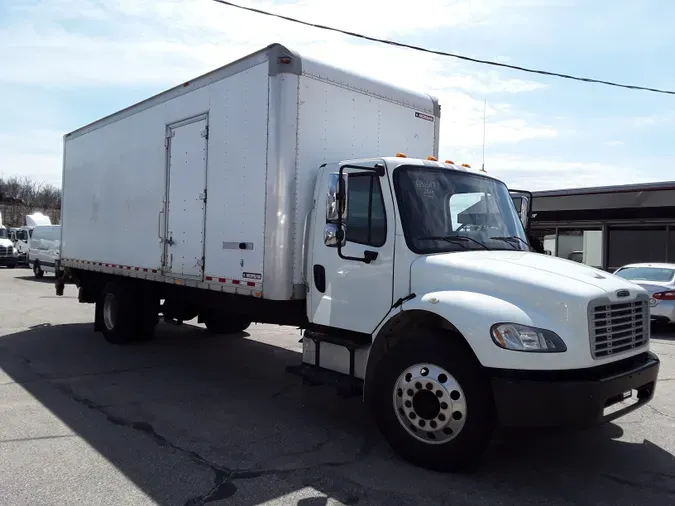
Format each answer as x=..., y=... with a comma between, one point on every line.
x=574, y=398
x=8, y=261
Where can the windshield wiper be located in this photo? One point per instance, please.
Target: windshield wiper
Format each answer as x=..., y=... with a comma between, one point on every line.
x=509, y=240
x=459, y=239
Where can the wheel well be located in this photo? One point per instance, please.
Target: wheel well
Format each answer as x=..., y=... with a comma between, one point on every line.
x=396, y=329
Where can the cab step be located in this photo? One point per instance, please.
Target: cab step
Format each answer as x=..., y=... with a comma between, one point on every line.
x=347, y=385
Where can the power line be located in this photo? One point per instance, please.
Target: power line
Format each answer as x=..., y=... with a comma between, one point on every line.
x=443, y=53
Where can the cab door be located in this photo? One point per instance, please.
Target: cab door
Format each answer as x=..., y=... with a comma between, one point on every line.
x=350, y=281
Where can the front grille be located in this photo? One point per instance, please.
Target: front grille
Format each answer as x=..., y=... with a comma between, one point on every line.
x=5, y=251
x=618, y=328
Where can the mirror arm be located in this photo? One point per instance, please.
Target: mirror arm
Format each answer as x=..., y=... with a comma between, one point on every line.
x=340, y=197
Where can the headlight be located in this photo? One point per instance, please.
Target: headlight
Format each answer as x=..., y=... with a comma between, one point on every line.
x=15, y=251
x=512, y=336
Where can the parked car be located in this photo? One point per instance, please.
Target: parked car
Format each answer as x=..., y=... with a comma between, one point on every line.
x=44, y=249
x=659, y=280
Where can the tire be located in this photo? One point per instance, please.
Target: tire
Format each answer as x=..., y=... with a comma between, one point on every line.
x=125, y=313
x=223, y=323
x=460, y=406
x=37, y=270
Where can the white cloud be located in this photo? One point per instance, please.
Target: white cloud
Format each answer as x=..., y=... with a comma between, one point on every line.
x=37, y=155
x=128, y=43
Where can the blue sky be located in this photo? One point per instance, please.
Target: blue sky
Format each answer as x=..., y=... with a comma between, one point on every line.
x=65, y=63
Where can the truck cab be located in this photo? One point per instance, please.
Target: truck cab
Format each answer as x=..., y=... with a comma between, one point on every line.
x=452, y=321
x=8, y=253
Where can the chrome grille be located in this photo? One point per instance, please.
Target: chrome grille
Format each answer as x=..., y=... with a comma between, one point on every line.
x=618, y=328
x=5, y=251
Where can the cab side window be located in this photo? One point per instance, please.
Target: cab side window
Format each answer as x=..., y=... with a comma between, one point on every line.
x=366, y=220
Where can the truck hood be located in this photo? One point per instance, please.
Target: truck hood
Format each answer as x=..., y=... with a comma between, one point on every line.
x=517, y=276
x=6, y=242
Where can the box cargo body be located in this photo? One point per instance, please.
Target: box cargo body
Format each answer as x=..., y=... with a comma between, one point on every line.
x=208, y=184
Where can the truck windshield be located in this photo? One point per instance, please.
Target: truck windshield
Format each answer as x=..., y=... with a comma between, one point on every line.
x=447, y=210
x=3, y=233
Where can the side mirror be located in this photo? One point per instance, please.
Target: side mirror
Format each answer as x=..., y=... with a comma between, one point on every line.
x=524, y=208
x=523, y=202
x=336, y=202
x=333, y=237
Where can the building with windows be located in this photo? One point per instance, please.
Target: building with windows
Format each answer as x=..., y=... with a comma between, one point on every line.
x=608, y=226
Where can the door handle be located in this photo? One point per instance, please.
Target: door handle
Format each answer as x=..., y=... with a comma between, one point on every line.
x=320, y=278
x=169, y=241
x=159, y=224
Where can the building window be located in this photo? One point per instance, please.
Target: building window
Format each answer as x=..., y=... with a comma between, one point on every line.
x=583, y=245
x=366, y=222
x=636, y=244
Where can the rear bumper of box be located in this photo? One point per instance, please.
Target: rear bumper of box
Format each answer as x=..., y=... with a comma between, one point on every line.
x=575, y=398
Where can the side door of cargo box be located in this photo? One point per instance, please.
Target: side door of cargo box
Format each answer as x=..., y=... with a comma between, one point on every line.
x=185, y=206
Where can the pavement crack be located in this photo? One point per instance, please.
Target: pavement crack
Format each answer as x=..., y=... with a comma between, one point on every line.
x=56, y=377
x=36, y=438
x=658, y=411
x=654, y=487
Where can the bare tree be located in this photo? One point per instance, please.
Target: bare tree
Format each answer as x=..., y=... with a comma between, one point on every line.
x=20, y=196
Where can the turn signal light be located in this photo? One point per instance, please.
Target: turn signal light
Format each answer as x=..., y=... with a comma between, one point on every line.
x=664, y=295
x=401, y=155
x=432, y=158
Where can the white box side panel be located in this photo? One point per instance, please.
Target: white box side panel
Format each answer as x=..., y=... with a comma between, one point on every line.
x=235, y=211
x=337, y=123
x=115, y=176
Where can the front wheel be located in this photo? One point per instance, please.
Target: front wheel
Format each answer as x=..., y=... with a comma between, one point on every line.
x=433, y=403
x=37, y=270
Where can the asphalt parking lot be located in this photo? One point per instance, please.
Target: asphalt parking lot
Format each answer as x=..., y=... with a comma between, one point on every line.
x=192, y=419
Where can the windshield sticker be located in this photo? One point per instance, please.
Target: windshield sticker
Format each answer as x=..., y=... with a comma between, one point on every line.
x=428, y=188
x=423, y=116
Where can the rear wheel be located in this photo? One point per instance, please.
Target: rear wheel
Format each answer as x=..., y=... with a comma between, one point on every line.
x=126, y=314
x=224, y=323
x=37, y=270
x=433, y=403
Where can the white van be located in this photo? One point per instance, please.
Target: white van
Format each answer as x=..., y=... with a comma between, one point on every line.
x=44, y=249
x=22, y=235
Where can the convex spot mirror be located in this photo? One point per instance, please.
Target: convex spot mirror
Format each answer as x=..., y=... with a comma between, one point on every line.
x=336, y=202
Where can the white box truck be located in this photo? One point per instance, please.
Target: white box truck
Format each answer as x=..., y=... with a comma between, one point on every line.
x=266, y=191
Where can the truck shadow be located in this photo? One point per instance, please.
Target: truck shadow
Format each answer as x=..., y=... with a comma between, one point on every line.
x=47, y=279
x=224, y=409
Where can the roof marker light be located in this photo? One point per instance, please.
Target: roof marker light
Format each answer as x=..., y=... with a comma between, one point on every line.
x=450, y=162
x=466, y=165
x=401, y=155
x=431, y=158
